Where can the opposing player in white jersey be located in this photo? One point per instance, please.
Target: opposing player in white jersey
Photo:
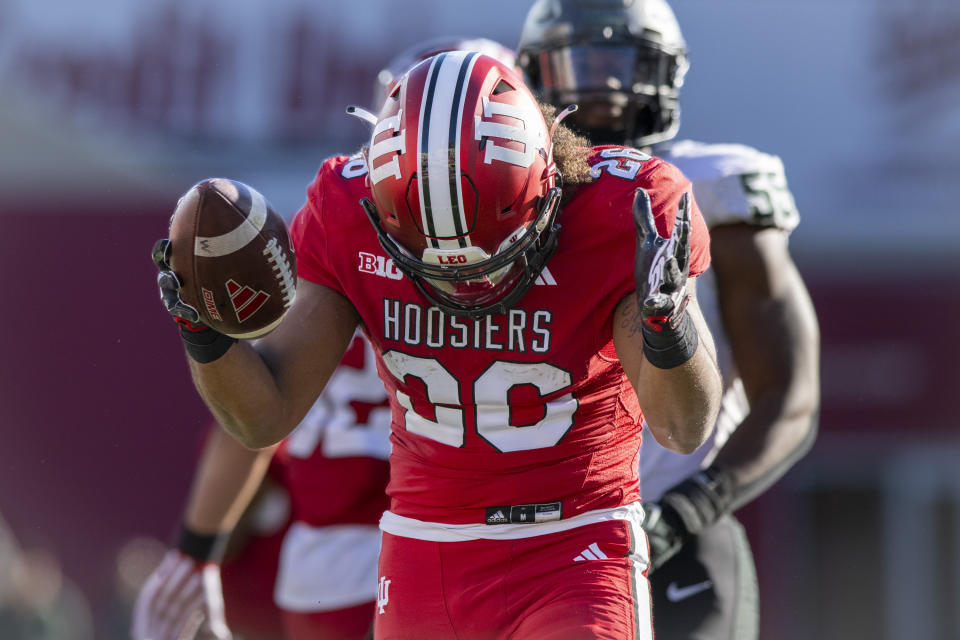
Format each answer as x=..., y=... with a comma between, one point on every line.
x=623, y=63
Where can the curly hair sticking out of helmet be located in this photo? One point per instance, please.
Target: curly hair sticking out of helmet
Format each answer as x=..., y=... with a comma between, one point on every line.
x=570, y=151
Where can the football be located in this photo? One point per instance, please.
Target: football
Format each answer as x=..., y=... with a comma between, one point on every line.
x=232, y=254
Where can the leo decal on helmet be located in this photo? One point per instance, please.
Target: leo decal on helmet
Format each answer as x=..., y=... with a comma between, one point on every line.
x=463, y=183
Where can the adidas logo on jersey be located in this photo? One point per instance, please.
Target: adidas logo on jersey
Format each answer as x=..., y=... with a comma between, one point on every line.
x=497, y=518
x=590, y=553
x=546, y=278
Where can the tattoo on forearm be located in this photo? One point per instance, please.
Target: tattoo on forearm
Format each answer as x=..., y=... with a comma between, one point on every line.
x=630, y=319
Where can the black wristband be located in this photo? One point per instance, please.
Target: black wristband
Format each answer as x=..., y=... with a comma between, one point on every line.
x=700, y=500
x=670, y=348
x=205, y=345
x=202, y=547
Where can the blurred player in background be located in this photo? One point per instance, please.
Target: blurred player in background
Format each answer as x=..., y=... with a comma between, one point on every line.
x=38, y=601
x=335, y=468
x=319, y=497
x=184, y=594
x=623, y=64
x=303, y=561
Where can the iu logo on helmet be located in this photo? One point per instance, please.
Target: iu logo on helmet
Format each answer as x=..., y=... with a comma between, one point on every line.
x=393, y=146
x=245, y=301
x=531, y=138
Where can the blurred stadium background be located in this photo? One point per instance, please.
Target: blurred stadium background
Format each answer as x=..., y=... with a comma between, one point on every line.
x=109, y=110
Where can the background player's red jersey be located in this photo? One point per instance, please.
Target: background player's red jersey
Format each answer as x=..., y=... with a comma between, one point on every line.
x=342, y=443
x=526, y=407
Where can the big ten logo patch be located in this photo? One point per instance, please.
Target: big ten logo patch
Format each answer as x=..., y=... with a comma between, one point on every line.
x=379, y=266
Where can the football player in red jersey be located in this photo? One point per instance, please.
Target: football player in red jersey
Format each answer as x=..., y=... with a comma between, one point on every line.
x=184, y=593
x=623, y=64
x=517, y=355
x=301, y=563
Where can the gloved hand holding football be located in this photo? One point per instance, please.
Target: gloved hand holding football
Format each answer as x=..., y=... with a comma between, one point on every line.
x=227, y=263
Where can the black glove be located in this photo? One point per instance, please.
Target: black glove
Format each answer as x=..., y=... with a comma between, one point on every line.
x=660, y=271
x=686, y=510
x=662, y=265
x=203, y=343
x=170, y=287
x=663, y=534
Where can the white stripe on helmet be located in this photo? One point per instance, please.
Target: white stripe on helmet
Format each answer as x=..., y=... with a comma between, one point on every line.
x=438, y=209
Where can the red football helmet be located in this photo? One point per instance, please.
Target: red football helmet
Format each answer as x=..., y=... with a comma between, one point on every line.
x=462, y=178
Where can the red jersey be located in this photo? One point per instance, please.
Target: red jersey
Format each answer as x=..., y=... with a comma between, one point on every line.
x=530, y=407
x=334, y=464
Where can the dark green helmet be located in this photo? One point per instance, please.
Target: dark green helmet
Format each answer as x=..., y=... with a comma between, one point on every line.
x=621, y=61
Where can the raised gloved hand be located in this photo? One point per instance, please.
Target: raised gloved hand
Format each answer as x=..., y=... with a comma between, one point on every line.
x=660, y=271
x=662, y=265
x=203, y=343
x=684, y=511
x=181, y=598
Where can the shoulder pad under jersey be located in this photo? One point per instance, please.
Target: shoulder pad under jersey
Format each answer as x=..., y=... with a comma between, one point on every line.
x=734, y=183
